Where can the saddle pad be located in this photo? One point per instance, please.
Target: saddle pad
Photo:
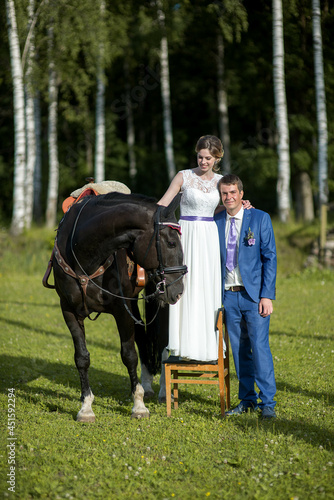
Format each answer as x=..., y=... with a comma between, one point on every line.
x=94, y=188
x=103, y=187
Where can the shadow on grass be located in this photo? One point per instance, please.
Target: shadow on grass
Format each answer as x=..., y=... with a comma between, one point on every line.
x=67, y=336
x=28, y=303
x=286, y=387
x=315, y=435
x=295, y=334
x=18, y=372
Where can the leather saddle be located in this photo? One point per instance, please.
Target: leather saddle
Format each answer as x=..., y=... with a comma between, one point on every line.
x=67, y=204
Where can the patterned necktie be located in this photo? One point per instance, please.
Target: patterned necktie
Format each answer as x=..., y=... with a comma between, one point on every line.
x=231, y=251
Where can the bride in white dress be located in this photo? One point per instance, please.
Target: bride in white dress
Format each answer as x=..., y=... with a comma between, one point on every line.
x=192, y=320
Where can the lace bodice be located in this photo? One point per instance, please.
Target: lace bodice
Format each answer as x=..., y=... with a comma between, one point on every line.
x=199, y=197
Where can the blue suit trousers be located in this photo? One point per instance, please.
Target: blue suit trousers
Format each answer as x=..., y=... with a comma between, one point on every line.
x=249, y=337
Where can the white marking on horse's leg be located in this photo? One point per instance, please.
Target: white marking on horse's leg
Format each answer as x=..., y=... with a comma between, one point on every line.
x=139, y=410
x=162, y=391
x=146, y=381
x=86, y=413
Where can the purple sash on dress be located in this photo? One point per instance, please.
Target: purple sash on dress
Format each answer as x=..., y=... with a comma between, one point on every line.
x=195, y=218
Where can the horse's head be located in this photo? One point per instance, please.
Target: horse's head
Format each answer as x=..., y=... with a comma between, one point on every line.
x=159, y=251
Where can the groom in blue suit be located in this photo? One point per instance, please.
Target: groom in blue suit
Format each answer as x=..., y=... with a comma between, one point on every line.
x=248, y=262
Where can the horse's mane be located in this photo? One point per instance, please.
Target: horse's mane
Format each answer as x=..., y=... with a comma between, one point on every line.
x=115, y=197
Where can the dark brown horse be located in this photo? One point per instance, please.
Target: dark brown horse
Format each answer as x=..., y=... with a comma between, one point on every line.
x=96, y=240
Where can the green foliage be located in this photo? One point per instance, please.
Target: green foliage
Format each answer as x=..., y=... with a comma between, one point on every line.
x=256, y=165
x=192, y=455
x=232, y=18
x=129, y=35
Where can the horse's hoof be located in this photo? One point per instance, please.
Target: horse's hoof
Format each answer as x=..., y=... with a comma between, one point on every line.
x=86, y=418
x=149, y=395
x=140, y=415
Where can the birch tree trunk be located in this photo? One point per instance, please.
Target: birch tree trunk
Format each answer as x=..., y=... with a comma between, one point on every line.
x=304, y=197
x=52, y=198
x=30, y=125
x=37, y=210
x=222, y=106
x=18, y=218
x=165, y=94
x=321, y=104
x=130, y=129
x=100, y=127
x=29, y=54
x=283, y=180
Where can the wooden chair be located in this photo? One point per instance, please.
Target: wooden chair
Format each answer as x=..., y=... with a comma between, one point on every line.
x=196, y=372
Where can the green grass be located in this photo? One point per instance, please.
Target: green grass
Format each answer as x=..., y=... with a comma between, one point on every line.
x=193, y=455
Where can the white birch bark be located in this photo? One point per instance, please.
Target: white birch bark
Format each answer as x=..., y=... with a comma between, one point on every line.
x=223, y=107
x=30, y=126
x=18, y=218
x=321, y=104
x=100, y=127
x=37, y=182
x=38, y=165
x=52, y=198
x=130, y=129
x=165, y=94
x=131, y=145
x=283, y=180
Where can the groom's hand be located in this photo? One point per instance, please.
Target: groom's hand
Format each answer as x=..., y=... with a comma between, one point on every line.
x=265, y=307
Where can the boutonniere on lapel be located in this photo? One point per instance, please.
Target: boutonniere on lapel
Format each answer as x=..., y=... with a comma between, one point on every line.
x=250, y=238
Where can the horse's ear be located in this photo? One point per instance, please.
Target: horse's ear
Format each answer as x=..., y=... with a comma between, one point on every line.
x=168, y=211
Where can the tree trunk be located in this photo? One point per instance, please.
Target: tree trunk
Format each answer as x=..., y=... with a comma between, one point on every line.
x=38, y=164
x=30, y=126
x=100, y=126
x=100, y=129
x=304, y=197
x=29, y=52
x=321, y=105
x=18, y=219
x=222, y=106
x=283, y=178
x=89, y=154
x=52, y=198
x=165, y=94
x=130, y=129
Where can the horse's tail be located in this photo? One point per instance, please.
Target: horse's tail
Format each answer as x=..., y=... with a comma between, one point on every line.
x=152, y=340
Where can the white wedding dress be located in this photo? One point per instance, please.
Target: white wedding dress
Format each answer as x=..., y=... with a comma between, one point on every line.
x=192, y=320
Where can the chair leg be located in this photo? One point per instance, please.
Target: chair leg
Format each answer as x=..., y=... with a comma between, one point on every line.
x=227, y=365
x=228, y=393
x=168, y=390
x=176, y=391
x=222, y=395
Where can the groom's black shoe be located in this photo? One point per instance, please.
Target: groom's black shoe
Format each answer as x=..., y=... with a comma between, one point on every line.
x=241, y=408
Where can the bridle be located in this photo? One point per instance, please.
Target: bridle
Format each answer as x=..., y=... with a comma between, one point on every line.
x=160, y=271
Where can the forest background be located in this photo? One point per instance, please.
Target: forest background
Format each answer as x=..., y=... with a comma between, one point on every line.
x=122, y=49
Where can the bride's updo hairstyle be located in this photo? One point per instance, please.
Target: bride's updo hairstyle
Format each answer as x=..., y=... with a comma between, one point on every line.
x=214, y=145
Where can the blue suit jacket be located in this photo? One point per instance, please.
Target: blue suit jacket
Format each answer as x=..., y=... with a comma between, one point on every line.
x=258, y=262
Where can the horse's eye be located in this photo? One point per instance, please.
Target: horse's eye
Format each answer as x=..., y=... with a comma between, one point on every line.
x=171, y=244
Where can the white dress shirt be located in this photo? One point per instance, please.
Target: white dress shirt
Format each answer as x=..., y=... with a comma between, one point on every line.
x=233, y=278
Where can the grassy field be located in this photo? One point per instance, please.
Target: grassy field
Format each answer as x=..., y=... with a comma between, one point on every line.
x=193, y=455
